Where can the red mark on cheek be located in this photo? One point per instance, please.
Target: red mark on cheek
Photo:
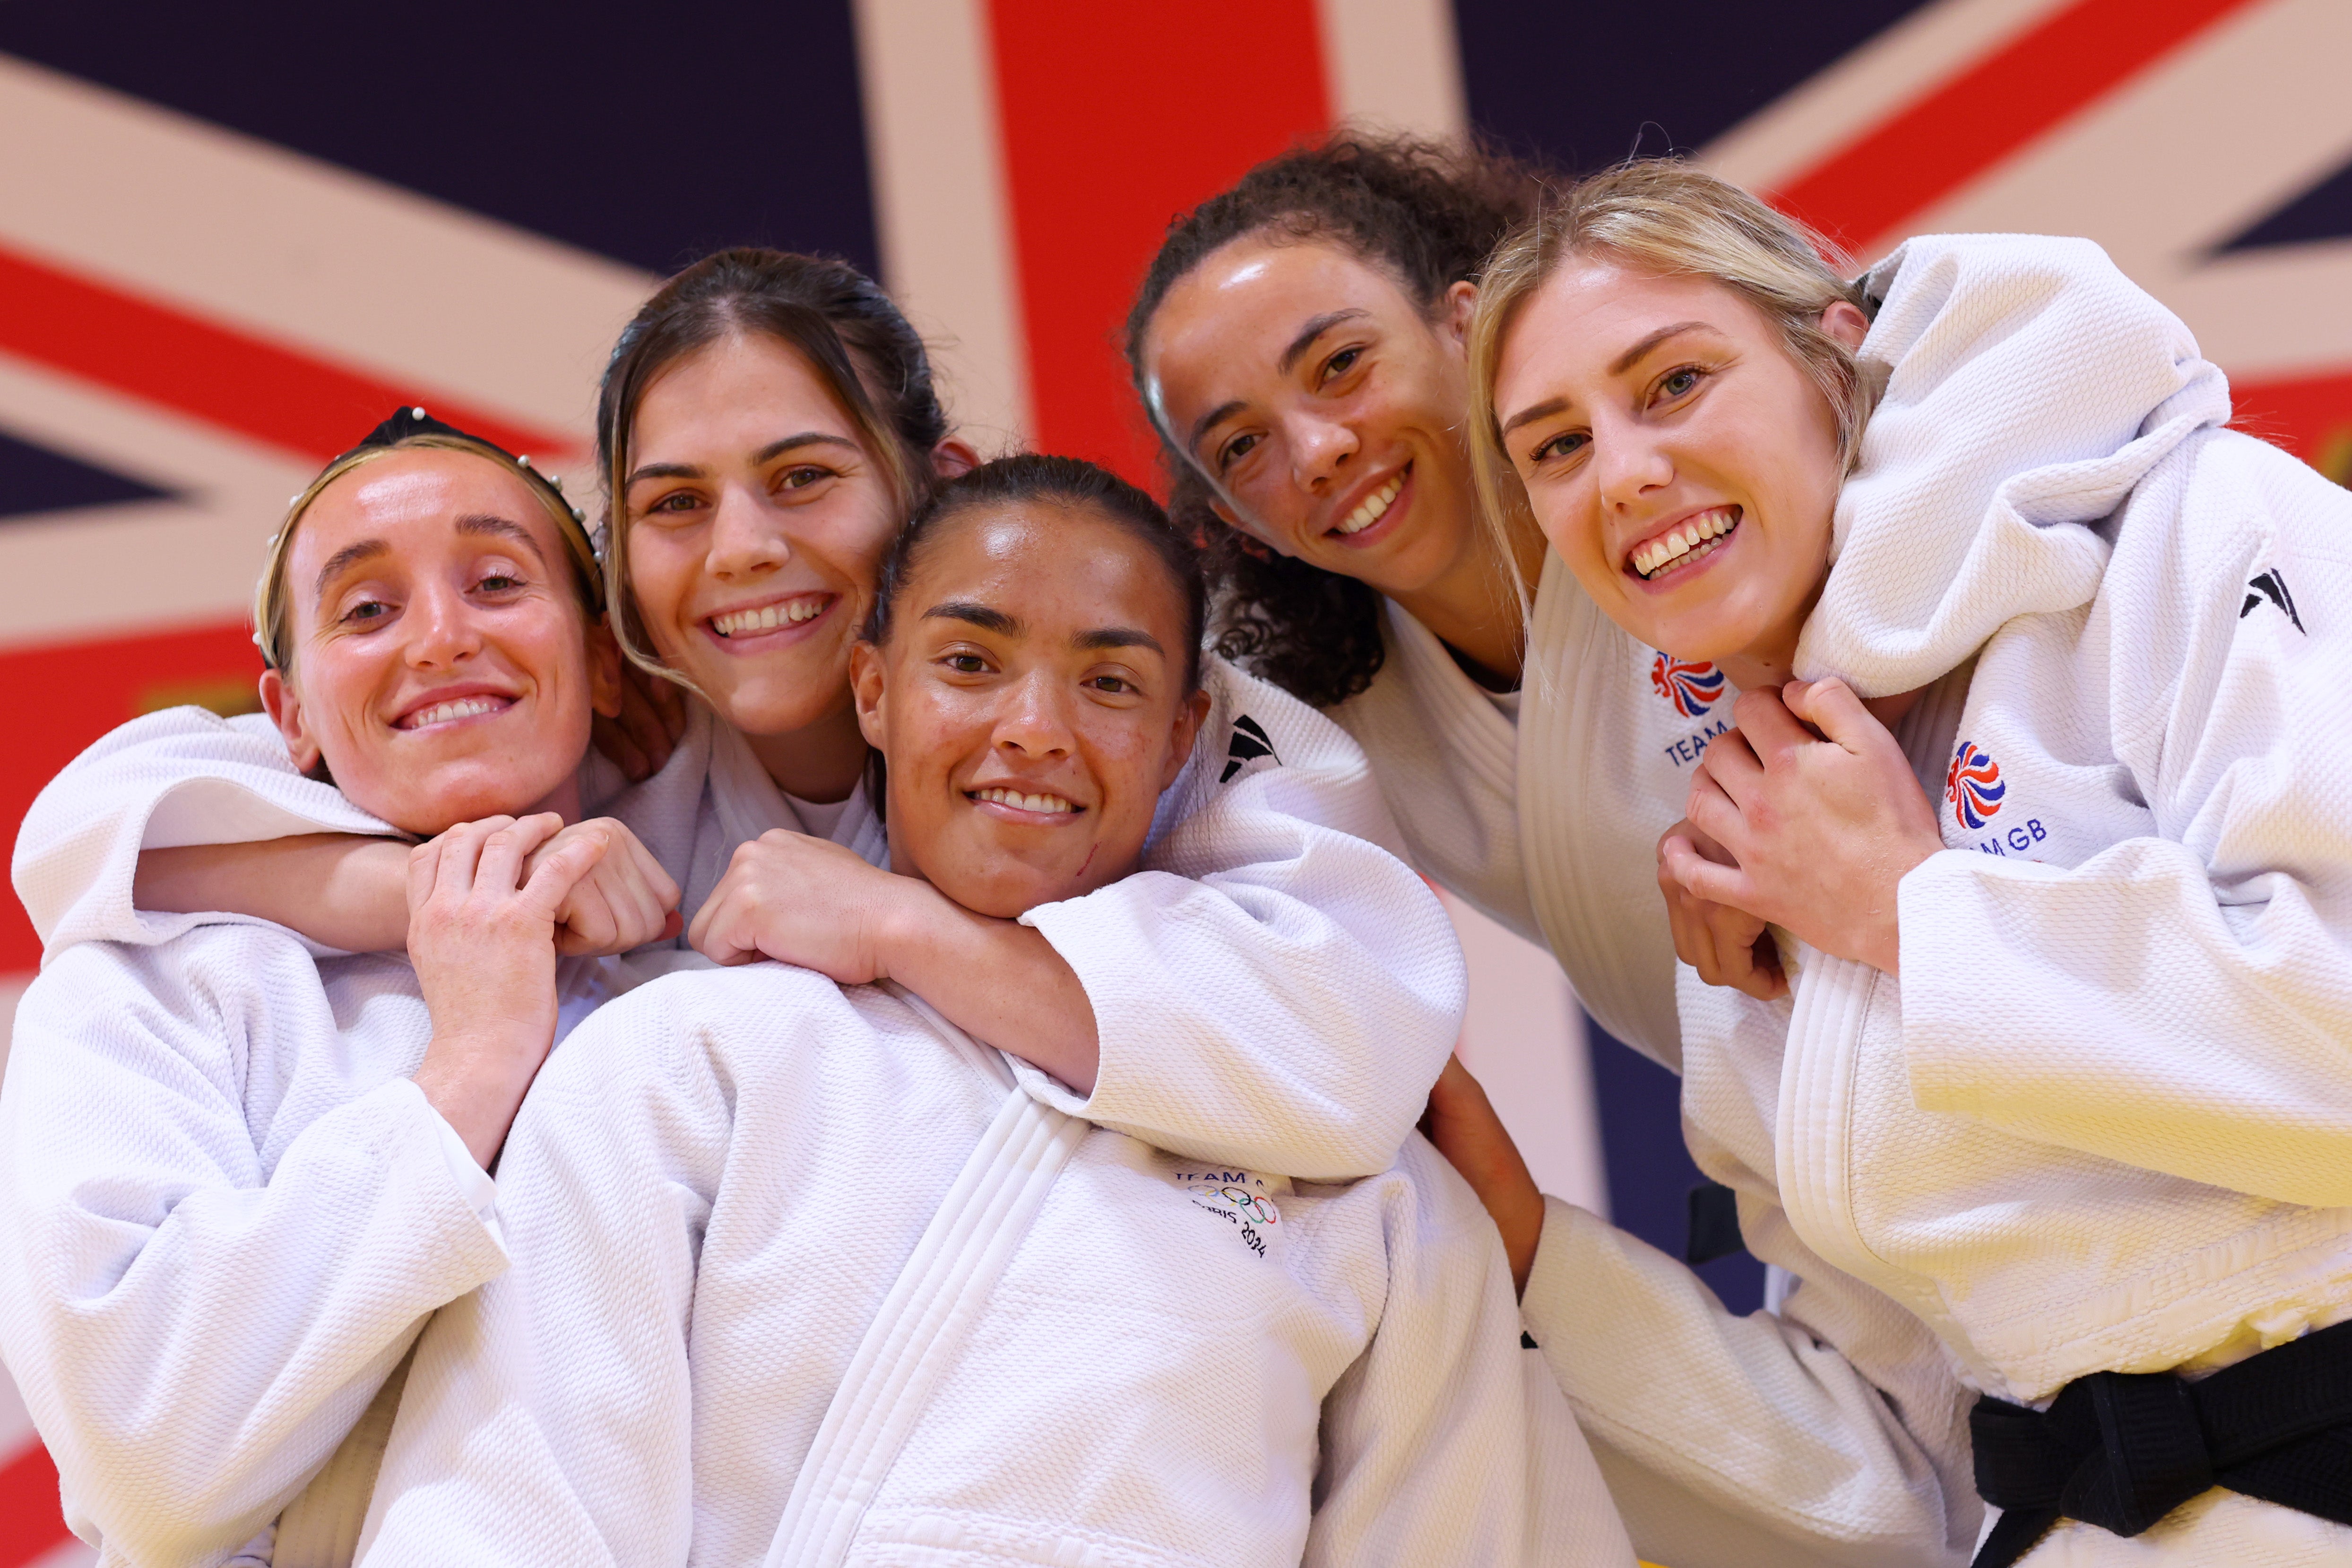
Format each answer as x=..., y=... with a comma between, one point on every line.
x=1089, y=860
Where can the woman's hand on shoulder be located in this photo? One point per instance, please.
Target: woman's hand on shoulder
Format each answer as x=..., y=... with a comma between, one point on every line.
x=805, y=901
x=625, y=900
x=1728, y=947
x=1820, y=814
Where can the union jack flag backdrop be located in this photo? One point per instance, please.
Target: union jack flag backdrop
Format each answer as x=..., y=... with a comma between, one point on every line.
x=230, y=238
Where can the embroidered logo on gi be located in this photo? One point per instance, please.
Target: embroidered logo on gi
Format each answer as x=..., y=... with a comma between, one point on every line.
x=2271, y=586
x=1973, y=785
x=1693, y=685
x=1250, y=742
x=1241, y=1198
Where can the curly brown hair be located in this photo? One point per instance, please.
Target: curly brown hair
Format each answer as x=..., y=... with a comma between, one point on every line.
x=1426, y=212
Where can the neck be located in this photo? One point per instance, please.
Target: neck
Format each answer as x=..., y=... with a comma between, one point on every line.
x=820, y=762
x=1474, y=608
x=563, y=800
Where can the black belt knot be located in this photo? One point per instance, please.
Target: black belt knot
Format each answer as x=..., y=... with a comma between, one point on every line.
x=2121, y=1450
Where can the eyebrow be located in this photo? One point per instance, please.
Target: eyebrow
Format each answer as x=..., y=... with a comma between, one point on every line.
x=1618, y=367
x=1289, y=361
x=979, y=615
x=767, y=454
x=501, y=528
x=1119, y=637
x=1632, y=356
x=342, y=560
x=1003, y=625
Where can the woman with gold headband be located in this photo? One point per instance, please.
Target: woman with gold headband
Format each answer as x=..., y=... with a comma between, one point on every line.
x=241, y=1170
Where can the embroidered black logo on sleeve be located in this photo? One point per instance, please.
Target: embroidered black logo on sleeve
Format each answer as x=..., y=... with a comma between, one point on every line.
x=2269, y=585
x=1250, y=742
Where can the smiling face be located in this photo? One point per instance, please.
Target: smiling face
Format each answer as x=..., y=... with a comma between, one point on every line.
x=756, y=521
x=1680, y=460
x=1029, y=703
x=441, y=663
x=1325, y=407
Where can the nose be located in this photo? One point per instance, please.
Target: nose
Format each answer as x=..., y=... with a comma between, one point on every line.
x=442, y=628
x=745, y=540
x=1630, y=460
x=1033, y=719
x=1320, y=447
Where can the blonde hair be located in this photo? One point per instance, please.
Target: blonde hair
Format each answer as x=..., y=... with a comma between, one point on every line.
x=270, y=596
x=1660, y=216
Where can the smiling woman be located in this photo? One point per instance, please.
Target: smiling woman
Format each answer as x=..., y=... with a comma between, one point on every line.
x=1988, y=1071
x=275, y=1162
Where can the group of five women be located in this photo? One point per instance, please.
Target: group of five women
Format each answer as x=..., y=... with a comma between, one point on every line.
x=1897, y=702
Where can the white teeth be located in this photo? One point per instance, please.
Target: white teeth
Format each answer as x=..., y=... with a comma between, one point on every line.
x=768, y=617
x=1374, y=507
x=463, y=707
x=1019, y=802
x=1698, y=535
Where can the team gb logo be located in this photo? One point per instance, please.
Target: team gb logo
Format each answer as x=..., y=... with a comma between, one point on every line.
x=1691, y=685
x=1973, y=785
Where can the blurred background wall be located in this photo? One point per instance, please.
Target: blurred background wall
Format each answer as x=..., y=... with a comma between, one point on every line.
x=232, y=237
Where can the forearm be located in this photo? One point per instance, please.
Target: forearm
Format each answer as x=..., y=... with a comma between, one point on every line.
x=1001, y=983
x=337, y=889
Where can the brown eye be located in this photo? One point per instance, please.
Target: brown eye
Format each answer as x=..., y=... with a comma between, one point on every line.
x=1341, y=363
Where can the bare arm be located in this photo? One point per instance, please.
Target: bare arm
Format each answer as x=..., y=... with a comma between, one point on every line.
x=337, y=889
x=345, y=891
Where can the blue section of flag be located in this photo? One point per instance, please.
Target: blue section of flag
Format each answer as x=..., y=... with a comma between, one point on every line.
x=34, y=480
x=644, y=133
x=1587, y=85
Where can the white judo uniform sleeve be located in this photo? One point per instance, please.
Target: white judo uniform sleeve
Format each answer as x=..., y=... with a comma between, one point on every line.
x=1276, y=988
x=2180, y=1000
x=198, y=1312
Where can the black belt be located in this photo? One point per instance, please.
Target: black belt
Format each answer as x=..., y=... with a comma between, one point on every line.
x=2121, y=1450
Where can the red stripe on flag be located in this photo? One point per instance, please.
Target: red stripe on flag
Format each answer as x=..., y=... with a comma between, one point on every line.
x=1867, y=190
x=222, y=375
x=2311, y=416
x=56, y=699
x=1116, y=119
x=31, y=1525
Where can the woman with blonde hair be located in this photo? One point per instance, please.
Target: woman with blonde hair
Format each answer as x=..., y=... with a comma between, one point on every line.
x=2019, y=629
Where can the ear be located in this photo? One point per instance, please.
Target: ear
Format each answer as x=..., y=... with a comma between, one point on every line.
x=1845, y=322
x=953, y=457
x=1188, y=719
x=1455, y=311
x=604, y=669
x=284, y=705
x=865, y=684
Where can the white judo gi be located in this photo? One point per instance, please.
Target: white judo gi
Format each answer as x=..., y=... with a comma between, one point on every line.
x=1101, y=1353
x=225, y=1212
x=1265, y=914
x=2101, y=1124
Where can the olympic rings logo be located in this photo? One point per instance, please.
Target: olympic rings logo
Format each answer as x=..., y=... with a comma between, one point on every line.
x=1251, y=1203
